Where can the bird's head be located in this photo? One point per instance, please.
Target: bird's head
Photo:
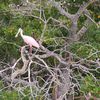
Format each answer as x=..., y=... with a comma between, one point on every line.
x=19, y=32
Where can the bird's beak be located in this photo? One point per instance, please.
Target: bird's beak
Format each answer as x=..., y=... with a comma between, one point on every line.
x=17, y=34
x=19, y=31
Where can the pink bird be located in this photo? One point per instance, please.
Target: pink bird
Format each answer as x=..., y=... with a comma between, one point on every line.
x=28, y=40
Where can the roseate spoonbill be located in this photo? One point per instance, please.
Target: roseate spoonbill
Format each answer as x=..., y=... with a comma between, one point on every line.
x=28, y=40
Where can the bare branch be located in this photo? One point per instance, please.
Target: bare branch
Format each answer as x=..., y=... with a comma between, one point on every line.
x=83, y=7
x=60, y=9
x=24, y=67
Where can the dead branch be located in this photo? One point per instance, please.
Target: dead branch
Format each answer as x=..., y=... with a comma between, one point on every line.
x=83, y=7
x=24, y=67
x=60, y=9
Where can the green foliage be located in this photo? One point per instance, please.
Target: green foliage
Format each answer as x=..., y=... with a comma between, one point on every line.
x=92, y=35
x=10, y=94
x=1, y=84
x=8, y=47
x=7, y=94
x=85, y=50
x=90, y=85
x=81, y=21
x=89, y=45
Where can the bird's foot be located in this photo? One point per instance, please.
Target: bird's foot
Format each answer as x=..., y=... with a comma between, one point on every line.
x=30, y=54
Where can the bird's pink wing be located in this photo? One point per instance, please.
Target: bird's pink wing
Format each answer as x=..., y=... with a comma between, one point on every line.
x=30, y=41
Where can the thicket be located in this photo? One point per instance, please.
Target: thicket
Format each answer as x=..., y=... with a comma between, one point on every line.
x=54, y=38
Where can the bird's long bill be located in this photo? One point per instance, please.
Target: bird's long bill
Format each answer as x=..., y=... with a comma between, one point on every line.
x=17, y=34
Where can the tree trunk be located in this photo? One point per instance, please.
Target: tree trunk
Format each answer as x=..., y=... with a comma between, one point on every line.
x=64, y=88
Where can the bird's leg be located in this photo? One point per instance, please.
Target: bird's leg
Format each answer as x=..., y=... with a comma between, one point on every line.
x=30, y=50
